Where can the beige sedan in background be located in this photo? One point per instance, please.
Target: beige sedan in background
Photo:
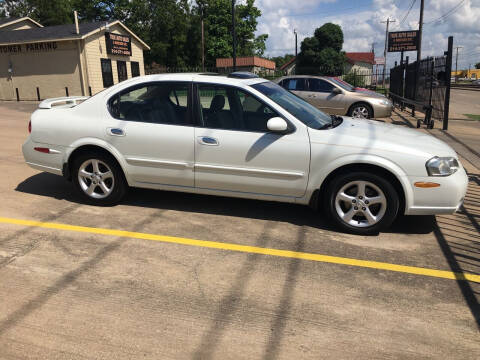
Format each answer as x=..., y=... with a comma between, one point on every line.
x=334, y=96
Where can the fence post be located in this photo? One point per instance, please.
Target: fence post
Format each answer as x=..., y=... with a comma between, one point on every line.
x=448, y=74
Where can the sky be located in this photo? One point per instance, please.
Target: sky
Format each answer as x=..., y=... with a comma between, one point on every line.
x=361, y=22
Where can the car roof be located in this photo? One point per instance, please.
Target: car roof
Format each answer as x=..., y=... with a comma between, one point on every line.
x=200, y=77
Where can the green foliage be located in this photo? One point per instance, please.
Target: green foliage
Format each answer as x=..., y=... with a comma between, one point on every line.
x=354, y=79
x=321, y=54
x=281, y=60
x=477, y=65
x=217, y=15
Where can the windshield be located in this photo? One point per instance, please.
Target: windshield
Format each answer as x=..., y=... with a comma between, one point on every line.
x=343, y=84
x=302, y=110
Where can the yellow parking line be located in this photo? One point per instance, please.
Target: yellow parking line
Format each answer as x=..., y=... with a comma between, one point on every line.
x=251, y=249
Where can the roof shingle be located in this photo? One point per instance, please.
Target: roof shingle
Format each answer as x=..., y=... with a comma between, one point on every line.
x=46, y=33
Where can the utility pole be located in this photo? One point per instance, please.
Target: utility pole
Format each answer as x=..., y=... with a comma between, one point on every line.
x=234, y=38
x=295, y=32
x=456, y=62
x=386, y=46
x=420, y=31
x=203, y=41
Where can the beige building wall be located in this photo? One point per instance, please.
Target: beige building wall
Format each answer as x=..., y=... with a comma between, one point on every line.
x=21, y=25
x=95, y=49
x=50, y=71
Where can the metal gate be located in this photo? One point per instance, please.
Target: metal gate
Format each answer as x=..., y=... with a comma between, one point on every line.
x=424, y=85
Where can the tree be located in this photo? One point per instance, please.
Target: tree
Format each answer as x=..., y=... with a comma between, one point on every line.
x=477, y=65
x=218, y=30
x=46, y=12
x=322, y=53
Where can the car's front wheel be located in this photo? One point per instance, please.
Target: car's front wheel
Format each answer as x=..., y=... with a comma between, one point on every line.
x=361, y=110
x=98, y=179
x=361, y=203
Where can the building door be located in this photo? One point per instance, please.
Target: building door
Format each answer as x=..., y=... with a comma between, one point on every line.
x=122, y=70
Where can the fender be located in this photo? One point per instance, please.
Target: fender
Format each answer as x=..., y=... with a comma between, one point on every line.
x=317, y=178
x=102, y=144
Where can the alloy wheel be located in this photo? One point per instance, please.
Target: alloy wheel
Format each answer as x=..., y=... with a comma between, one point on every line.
x=360, y=203
x=360, y=112
x=96, y=179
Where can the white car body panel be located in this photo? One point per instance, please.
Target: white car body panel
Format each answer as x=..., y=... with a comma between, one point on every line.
x=257, y=165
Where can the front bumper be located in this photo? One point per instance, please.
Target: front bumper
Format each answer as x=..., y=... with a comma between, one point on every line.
x=381, y=111
x=445, y=199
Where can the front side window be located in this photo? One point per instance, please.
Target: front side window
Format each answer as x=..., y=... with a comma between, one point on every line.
x=161, y=103
x=229, y=108
x=318, y=85
x=302, y=110
x=107, y=75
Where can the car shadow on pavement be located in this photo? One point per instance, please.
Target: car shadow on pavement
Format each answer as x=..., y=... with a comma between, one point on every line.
x=45, y=184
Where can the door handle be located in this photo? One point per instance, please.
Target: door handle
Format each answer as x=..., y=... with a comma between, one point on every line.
x=116, y=132
x=207, y=140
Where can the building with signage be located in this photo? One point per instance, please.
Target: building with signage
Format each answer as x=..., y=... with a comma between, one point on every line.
x=38, y=62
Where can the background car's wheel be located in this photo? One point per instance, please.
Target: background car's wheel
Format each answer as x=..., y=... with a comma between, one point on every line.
x=98, y=178
x=361, y=203
x=361, y=110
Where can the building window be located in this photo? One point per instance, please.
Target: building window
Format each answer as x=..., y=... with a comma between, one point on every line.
x=135, y=68
x=122, y=70
x=107, y=74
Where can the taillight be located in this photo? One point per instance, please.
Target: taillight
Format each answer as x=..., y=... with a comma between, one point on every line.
x=30, y=127
x=42, y=150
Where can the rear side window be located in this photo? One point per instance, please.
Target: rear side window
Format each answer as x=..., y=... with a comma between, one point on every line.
x=159, y=103
x=299, y=84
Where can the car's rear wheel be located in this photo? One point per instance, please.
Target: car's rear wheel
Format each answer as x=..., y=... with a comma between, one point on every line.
x=98, y=179
x=362, y=203
x=361, y=110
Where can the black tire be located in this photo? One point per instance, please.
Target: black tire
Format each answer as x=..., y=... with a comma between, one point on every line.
x=367, y=107
x=386, y=214
x=116, y=182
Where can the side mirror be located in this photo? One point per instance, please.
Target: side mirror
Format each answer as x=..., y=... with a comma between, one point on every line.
x=277, y=124
x=336, y=91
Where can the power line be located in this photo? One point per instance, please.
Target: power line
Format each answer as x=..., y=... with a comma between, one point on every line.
x=408, y=12
x=447, y=14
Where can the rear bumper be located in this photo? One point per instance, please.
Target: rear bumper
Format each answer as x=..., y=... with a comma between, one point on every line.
x=445, y=199
x=51, y=162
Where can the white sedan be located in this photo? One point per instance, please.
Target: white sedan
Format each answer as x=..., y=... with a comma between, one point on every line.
x=242, y=136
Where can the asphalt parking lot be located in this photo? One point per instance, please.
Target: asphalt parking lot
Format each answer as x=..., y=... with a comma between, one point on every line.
x=133, y=281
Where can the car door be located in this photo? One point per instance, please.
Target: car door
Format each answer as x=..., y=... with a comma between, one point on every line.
x=235, y=152
x=323, y=97
x=151, y=126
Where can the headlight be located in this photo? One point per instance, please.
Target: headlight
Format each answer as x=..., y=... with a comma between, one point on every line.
x=384, y=102
x=442, y=166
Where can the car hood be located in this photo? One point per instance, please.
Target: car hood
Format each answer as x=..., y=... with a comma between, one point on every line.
x=372, y=134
